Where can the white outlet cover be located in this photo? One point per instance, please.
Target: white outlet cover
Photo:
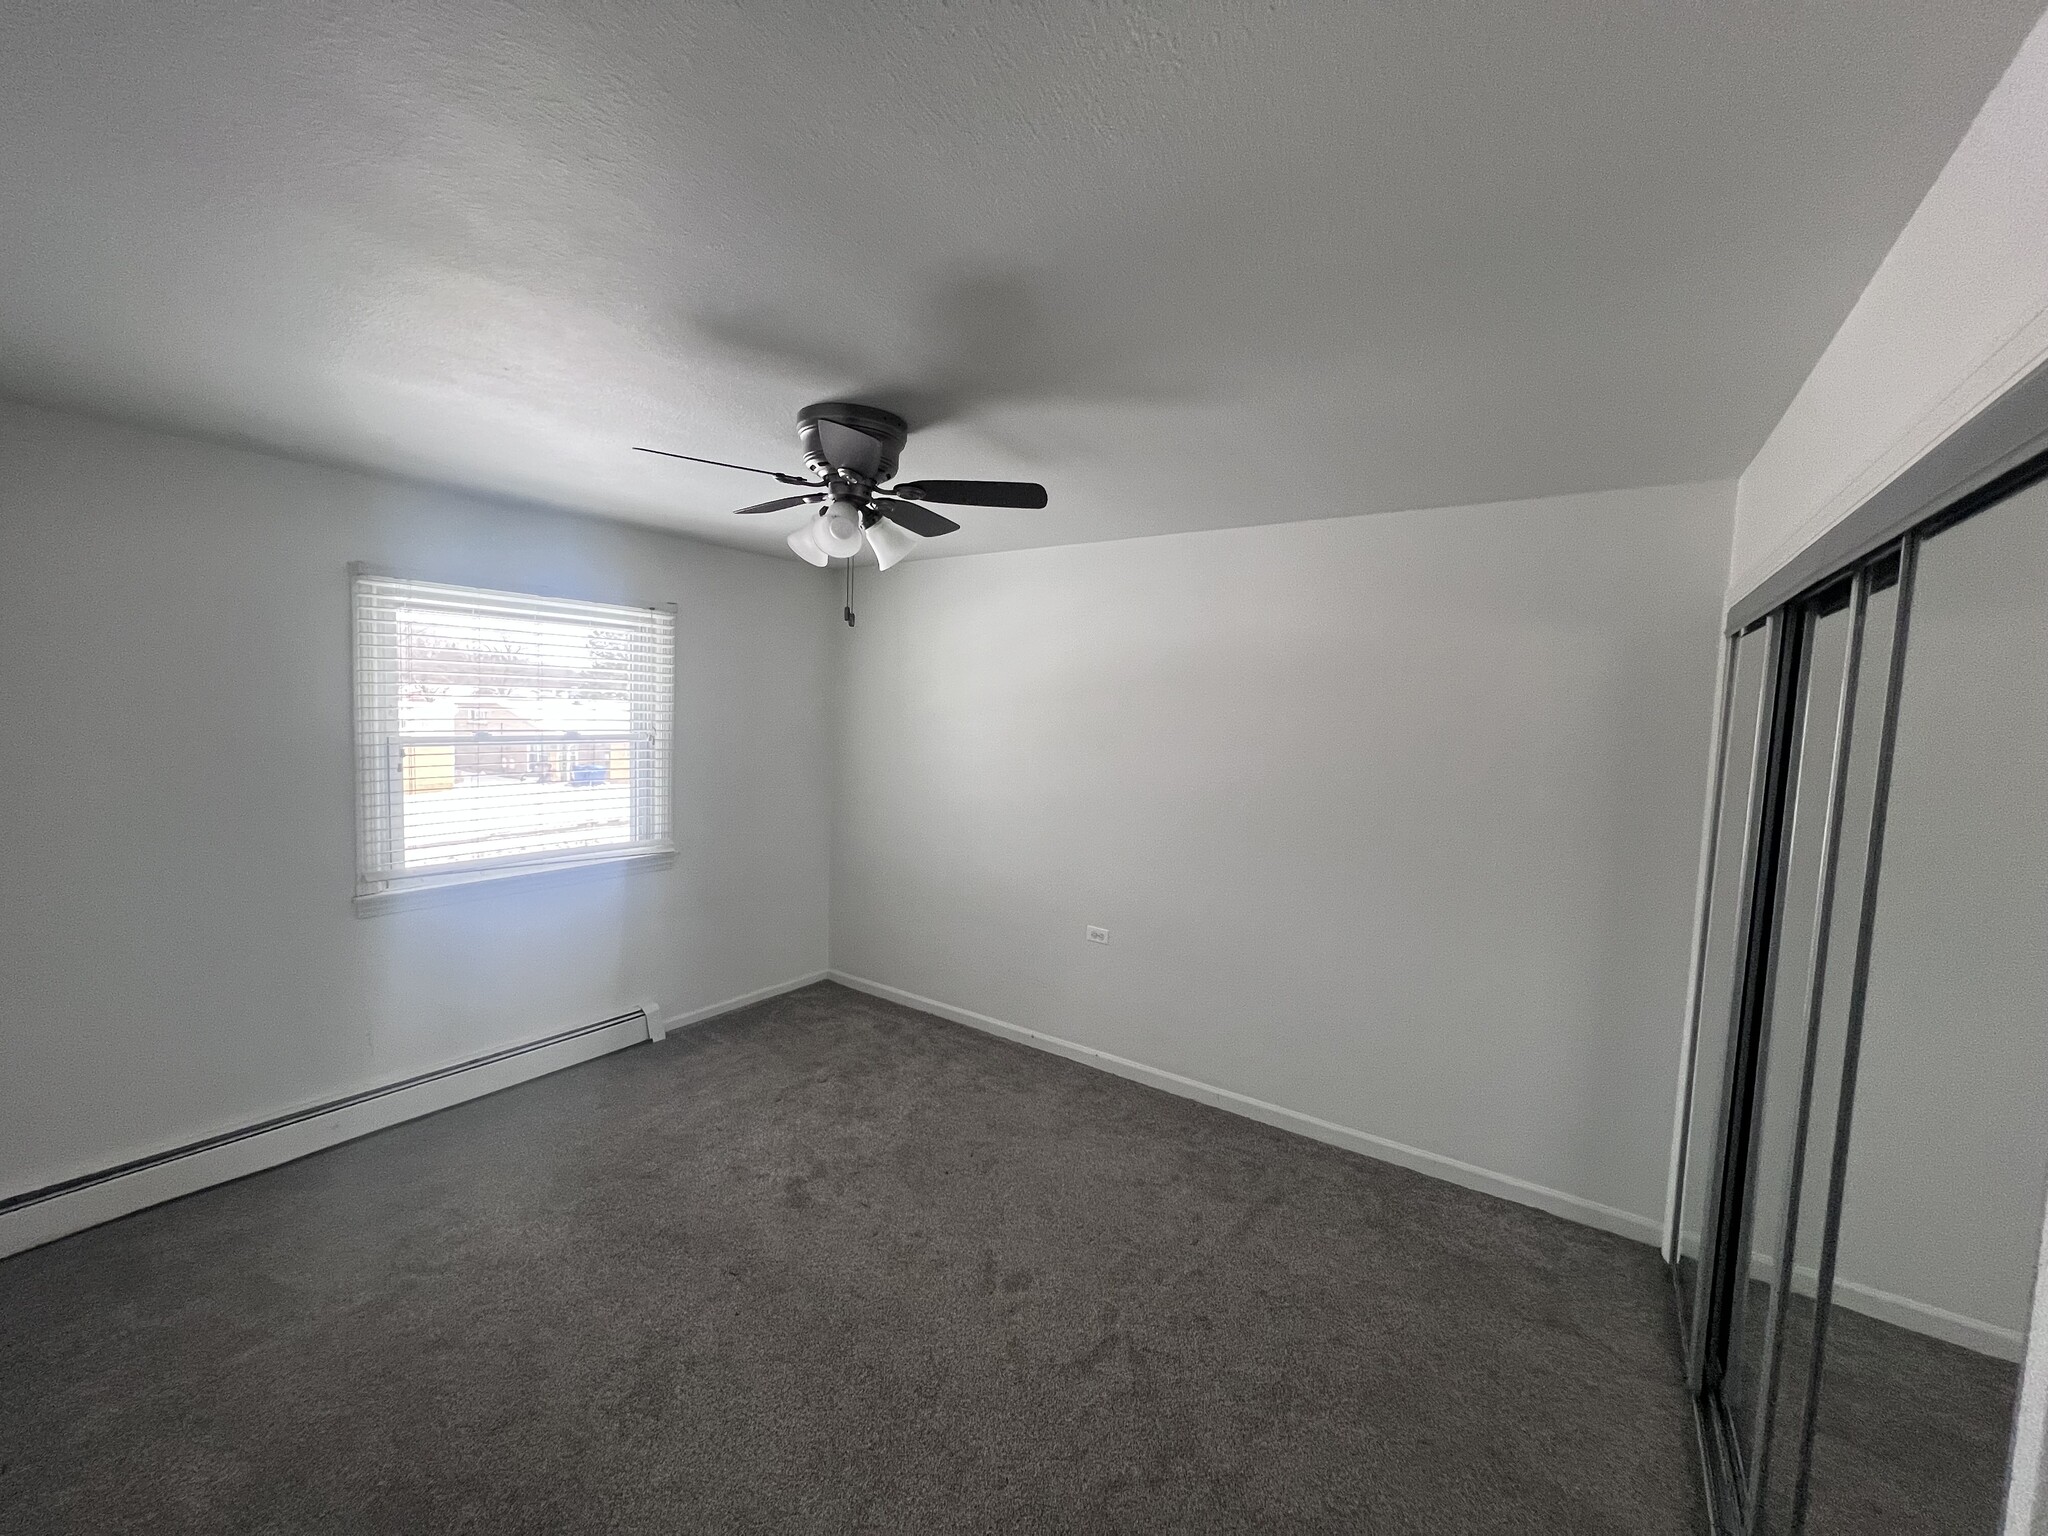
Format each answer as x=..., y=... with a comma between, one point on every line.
x=1098, y=935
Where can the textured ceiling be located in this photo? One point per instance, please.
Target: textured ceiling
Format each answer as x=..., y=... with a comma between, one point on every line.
x=1192, y=263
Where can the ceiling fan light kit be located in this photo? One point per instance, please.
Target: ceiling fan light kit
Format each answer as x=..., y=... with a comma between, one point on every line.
x=889, y=542
x=805, y=542
x=838, y=529
x=852, y=450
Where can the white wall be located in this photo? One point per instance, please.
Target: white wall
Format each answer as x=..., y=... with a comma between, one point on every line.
x=1393, y=820
x=178, y=950
x=1955, y=316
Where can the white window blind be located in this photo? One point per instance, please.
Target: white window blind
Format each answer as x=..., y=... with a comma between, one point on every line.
x=498, y=733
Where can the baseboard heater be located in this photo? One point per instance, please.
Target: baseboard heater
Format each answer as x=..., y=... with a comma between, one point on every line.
x=144, y=1181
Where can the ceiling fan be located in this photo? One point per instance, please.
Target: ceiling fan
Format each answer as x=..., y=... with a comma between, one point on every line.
x=852, y=450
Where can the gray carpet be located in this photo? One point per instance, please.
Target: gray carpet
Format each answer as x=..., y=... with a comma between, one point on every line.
x=833, y=1265
x=1912, y=1435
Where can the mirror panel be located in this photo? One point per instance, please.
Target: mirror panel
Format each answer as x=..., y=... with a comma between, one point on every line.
x=1942, y=1189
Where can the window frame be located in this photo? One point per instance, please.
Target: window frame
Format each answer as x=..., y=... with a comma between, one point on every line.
x=376, y=738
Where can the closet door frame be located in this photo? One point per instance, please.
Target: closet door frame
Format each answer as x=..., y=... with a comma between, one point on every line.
x=1744, y=782
x=1734, y=1487
x=1808, y=1021
x=1724, y=1266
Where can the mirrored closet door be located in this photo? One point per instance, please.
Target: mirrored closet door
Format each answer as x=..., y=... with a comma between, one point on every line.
x=1861, y=1171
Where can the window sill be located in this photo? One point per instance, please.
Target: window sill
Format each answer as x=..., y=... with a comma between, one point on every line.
x=507, y=882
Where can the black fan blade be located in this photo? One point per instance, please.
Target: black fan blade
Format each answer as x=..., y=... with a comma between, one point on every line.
x=775, y=506
x=775, y=474
x=976, y=493
x=919, y=520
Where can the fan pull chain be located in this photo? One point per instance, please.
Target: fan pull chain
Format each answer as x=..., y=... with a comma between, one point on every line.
x=849, y=592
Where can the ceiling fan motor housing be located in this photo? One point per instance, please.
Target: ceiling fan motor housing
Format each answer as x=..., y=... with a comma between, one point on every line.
x=845, y=441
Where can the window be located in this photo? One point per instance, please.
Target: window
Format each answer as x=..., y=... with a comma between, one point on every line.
x=498, y=733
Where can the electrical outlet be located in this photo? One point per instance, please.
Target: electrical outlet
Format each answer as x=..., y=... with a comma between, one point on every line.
x=1098, y=935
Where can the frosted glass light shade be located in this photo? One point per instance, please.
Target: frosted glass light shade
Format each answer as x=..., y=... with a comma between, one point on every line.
x=890, y=543
x=838, y=531
x=805, y=542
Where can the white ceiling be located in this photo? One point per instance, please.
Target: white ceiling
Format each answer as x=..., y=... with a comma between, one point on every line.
x=1192, y=263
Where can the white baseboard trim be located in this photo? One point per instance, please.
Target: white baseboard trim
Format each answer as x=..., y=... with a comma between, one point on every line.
x=744, y=1000
x=1935, y=1322
x=76, y=1204
x=1644, y=1229
x=1924, y=1317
